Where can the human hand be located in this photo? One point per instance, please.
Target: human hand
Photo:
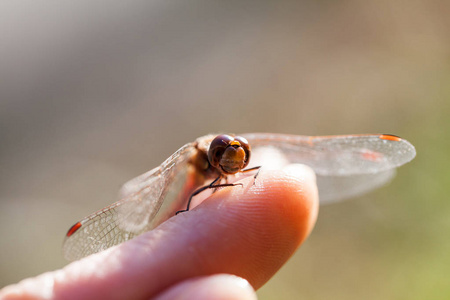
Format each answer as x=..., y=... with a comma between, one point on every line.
x=232, y=243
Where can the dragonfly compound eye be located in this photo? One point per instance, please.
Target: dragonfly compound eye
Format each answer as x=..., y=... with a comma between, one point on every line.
x=229, y=154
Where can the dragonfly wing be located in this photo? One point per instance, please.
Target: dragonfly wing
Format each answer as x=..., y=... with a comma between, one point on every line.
x=114, y=224
x=173, y=162
x=134, y=185
x=346, y=166
x=337, y=188
x=338, y=155
x=141, y=209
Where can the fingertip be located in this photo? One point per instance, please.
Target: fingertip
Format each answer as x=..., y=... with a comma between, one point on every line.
x=306, y=178
x=301, y=172
x=265, y=222
x=220, y=286
x=284, y=203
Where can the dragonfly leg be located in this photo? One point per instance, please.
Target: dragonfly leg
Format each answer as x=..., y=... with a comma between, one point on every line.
x=252, y=169
x=212, y=185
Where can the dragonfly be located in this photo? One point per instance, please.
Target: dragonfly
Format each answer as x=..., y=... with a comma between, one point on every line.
x=345, y=165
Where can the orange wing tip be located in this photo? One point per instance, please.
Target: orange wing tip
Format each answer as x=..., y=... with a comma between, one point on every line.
x=390, y=137
x=73, y=229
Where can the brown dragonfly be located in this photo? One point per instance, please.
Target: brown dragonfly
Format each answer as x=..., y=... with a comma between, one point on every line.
x=345, y=165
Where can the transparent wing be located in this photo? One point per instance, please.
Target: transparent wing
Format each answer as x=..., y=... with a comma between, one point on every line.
x=346, y=166
x=136, y=213
x=338, y=188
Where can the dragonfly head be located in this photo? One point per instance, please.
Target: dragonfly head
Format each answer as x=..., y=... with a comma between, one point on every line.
x=229, y=154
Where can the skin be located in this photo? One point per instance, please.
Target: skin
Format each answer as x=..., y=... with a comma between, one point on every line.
x=225, y=248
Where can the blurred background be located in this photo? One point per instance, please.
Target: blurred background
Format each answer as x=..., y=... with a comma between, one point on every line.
x=93, y=93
